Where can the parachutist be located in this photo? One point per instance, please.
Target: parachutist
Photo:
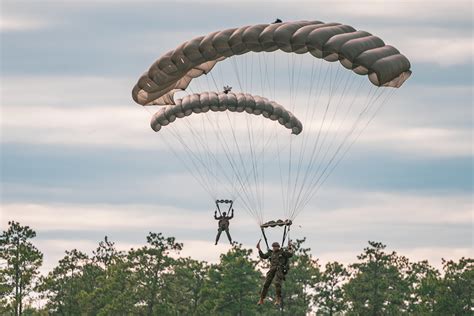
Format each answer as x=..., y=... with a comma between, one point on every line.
x=279, y=265
x=277, y=21
x=227, y=89
x=223, y=225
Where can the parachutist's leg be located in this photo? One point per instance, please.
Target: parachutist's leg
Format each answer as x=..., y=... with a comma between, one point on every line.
x=228, y=236
x=219, y=231
x=279, y=277
x=268, y=282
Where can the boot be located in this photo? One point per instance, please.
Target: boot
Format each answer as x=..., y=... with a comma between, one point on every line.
x=260, y=301
x=278, y=301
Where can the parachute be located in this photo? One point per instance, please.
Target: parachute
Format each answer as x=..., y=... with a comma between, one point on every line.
x=218, y=102
x=270, y=172
x=359, y=51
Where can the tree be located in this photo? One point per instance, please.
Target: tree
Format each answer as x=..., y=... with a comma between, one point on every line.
x=423, y=281
x=106, y=253
x=20, y=261
x=455, y=293
x=149, y=266
x=329, y=297
x=111, y=274
x=183, y=287
x=377, y=286
x=300, y=281
x=62, y=286
x=233, y=285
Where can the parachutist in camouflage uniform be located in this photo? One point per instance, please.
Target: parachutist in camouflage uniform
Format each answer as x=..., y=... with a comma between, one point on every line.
x=223, y=225
x=278, y=268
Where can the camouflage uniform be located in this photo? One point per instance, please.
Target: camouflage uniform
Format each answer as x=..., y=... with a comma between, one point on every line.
x=278, y=260
x=223, y=226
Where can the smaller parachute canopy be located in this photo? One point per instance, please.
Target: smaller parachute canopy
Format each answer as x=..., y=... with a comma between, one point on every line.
x=224, y=201
x=230, y=101
x=279, y=223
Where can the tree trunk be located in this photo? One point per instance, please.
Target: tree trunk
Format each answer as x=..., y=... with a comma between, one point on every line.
x=17, y=279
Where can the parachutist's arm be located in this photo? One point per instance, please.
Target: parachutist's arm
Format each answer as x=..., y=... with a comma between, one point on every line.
x=260, y=252
x=231, y=214
x=215, y=215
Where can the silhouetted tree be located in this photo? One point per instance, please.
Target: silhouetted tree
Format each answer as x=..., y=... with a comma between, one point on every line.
x=20, y=262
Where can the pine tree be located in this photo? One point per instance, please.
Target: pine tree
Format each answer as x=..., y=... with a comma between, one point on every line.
x=21, y=261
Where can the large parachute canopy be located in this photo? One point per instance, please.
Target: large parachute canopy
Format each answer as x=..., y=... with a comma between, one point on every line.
x=249, y=158
x=359, y=51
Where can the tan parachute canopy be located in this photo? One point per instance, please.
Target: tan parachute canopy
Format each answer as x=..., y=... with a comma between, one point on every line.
x=218, y=102
x=359, y=51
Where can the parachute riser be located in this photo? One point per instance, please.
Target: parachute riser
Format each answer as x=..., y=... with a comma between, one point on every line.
x=265, y=238
x=286, y=232
x=231, y=202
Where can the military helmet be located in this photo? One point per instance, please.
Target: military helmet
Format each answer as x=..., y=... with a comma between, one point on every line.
x=275, y=244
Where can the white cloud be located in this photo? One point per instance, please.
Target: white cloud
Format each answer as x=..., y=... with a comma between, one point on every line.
x=359, y=209
x=72, y=111
x=368, y=208
x=95, y=126
x=100, y=217
x=432, y=254
x=363, y=208
x=99, y=112
x=16, y=23
x=420, y=142
x=441, y=50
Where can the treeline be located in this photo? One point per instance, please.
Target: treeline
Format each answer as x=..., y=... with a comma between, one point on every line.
x=152, y=280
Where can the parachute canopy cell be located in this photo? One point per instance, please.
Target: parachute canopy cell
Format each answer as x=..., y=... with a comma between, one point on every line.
x=219, y=102
x=359, y=51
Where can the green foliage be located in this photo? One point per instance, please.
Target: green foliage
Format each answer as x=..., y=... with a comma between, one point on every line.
x=377, y=286
x=153, y=280
x=112, y=291
x=233, y=285
x=455, y=293
x=150, y=265
x=329, y=297
x=183, y=287
x=423, y=281
x=62, y=286
x=303, y=275
x=20, y=263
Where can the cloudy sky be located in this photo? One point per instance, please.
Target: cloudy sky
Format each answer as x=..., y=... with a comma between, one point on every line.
x=79, y=161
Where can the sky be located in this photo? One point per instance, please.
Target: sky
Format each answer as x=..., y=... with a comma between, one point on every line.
x=79, y=161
